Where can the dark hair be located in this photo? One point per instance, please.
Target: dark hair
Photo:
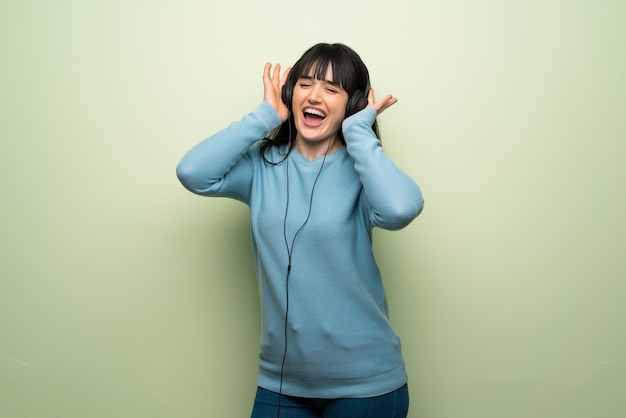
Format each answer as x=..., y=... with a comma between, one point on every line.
x=349, y=72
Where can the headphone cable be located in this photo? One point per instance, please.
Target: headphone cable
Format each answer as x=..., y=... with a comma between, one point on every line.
x=289, y=254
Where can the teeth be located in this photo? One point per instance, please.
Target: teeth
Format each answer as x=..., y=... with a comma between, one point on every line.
x=315, y=112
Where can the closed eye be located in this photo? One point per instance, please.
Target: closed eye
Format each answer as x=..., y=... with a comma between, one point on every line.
x=329, y=86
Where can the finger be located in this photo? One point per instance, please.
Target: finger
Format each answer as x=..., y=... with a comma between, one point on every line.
x=386, y=100
x=276, y=75
x=266, y=71
x=384, y=103
x=391, y=101
x=269, y=85
x=370, y=97
x=283, y=79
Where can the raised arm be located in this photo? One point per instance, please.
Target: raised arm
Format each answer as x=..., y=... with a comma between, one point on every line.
x=394, y=198
x=215, y=166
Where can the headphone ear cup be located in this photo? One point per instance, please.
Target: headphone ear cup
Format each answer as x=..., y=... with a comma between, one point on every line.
x=287, y=93
x=356, y=103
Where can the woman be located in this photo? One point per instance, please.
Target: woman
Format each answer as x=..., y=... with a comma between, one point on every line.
x=309, y=164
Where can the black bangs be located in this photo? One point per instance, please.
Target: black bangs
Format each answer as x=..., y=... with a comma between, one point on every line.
x=348, y=70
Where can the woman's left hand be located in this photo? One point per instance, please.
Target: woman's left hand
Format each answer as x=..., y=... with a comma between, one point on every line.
x=381, y=105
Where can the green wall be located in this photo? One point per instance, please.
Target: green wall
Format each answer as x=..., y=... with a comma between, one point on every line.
x=122, y=295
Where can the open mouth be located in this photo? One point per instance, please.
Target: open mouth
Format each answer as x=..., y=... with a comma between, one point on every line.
x=313, y=117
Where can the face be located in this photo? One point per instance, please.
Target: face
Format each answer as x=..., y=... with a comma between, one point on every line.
x=319, y=108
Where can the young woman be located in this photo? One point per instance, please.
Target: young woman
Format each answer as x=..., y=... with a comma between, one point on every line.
x=309, y=164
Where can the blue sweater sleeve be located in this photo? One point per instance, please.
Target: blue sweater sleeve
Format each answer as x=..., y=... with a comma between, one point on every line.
x=394, y=198
x=216, y=167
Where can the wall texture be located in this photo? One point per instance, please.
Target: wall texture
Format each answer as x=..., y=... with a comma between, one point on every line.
x=124, y=296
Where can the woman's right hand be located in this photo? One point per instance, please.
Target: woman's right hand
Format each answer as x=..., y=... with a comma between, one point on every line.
x=273, y=87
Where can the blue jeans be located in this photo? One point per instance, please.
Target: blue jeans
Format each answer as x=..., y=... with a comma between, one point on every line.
x=391, y=405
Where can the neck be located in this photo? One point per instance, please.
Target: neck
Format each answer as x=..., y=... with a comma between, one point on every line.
x=312, y=150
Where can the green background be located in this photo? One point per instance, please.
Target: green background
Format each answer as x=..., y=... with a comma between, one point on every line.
x=124, y=296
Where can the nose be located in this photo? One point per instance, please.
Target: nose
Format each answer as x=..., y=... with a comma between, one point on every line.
x=315, y=94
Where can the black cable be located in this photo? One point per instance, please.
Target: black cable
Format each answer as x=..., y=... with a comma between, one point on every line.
x=289, y=253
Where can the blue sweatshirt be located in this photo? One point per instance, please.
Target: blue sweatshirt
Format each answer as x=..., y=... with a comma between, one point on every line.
x=339, y=339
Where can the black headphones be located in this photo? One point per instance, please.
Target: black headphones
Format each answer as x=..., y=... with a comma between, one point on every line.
x=356, y=102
